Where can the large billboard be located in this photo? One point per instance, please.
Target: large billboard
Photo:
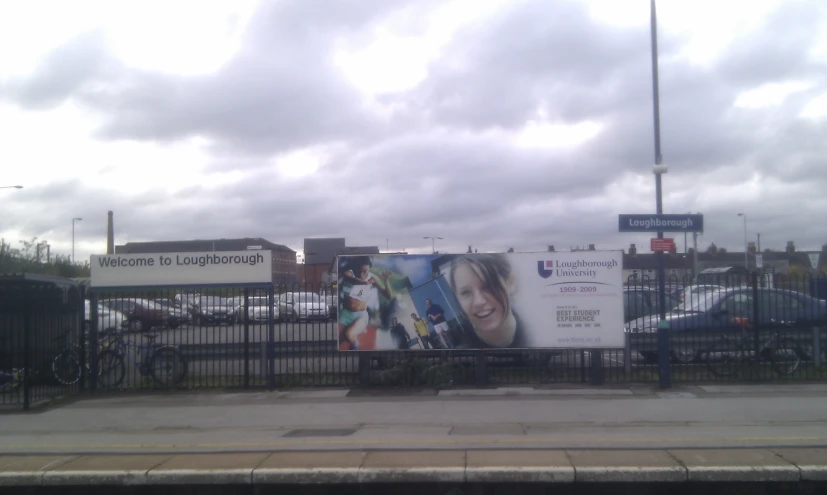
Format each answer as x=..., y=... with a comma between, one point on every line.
x=225, y=268
x=479, y=301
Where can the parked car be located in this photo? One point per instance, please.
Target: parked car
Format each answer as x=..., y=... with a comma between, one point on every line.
x=717, y=310
x=643, y=301
x=332, y=306
x=186, y=301
x=297, y=306
x=173, y=309
x=143, y=314
x=695, y=291
x=258, y=309
x=108, y=319
x=213, y=310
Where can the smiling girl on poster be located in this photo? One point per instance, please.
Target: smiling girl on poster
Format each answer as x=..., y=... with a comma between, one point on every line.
x=484, y=285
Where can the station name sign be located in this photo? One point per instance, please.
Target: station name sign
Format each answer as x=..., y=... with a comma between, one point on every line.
x=661, y=223
x=182, y=269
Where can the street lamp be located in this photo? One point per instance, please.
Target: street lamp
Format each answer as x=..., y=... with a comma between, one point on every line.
x=73, y=236
x=433, y=243
x=659, y=168
x=746, y=264
x=11, y=187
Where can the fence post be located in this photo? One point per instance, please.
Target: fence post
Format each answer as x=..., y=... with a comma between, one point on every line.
x=271, y=340
x=596, y=358
x=627, y=355
x=754, y=320
x=481, y=369
x=246, y=317
x=93, y=343
x=816, y=346
x=27, y=331
x=84, y=337
x=664, y=356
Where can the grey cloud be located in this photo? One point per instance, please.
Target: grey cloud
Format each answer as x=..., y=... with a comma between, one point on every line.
x=61, y=74
x=432, y=169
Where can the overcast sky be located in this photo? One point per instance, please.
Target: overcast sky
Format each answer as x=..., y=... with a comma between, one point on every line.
x=494, y=123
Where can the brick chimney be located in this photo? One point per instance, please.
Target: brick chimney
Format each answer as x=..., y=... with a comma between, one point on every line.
x=551, y=248
x=751, y=249
x=632, y=249
x=790, y=247
x=591, y=247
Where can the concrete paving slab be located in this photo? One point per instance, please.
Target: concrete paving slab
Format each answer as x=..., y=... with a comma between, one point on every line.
x=104, y=470
x=206, y=469
x=527, y=391
x=315, y=394
x=27, y=470
x=518, y=466
x=765, y=388
x=588, y=391
x=736, y=465
x=413, y=466
x=811, y=462
x=625, y=466
x=392, y=431
x=676, y=395
x=309, y=467
x=500, y=429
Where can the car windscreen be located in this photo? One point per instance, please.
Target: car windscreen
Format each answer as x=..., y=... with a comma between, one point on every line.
x=700, y=304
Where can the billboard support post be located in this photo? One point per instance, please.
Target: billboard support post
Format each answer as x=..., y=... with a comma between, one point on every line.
x=481, y=369
x=596, y=362
x=364, y=369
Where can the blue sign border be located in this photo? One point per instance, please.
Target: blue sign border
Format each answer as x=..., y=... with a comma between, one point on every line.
x=660, y=223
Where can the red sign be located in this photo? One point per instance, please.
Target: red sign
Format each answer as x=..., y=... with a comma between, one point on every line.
x=665, y=245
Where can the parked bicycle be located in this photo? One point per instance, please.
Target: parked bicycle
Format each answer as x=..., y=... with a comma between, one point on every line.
x=66, y=368
x=724, y=358
x=11, y=381
x=163, y=363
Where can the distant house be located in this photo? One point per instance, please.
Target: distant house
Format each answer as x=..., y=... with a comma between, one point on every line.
x=284, y=258
x=644, y=266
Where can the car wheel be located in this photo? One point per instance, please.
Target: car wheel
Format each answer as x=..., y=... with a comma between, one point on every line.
x=684, y=355
x=136, y=325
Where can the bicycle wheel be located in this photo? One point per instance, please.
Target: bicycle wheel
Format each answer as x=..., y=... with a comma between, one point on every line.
x=66, y=367
x=168, y=366
x=111, y=369
x=722, y=360
x=785, y=357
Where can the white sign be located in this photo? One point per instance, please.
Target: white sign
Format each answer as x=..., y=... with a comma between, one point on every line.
x=814, y=259
x=477, y=301
x=759, y=260
x=182, y=269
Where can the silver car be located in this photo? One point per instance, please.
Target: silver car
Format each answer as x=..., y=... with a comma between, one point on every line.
x=296, y=306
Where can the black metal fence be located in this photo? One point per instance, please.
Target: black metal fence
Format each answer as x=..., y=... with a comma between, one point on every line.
x=40, y=320
x=747, y=328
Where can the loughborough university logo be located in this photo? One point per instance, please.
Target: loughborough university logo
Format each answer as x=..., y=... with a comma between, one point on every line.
x=545, y=268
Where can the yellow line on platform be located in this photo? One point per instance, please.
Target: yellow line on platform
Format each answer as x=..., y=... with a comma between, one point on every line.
x=407, y=443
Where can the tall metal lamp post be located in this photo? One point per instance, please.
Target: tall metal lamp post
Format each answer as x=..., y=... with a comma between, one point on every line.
x=75, y=219
x=433, y=242
x=746, y=244
x=659, y=169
